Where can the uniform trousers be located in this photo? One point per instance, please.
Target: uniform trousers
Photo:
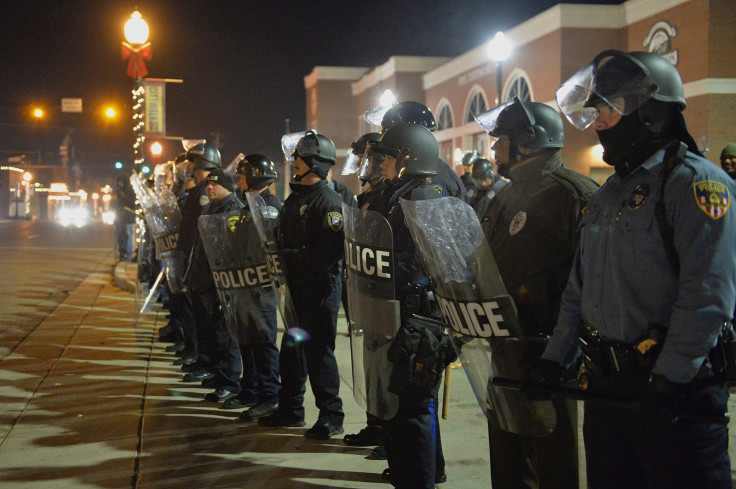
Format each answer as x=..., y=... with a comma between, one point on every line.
x=310, y=353
x=218, y=350
x=627, y=448
x=413, y=445
x=547, y=462
x=183, y=313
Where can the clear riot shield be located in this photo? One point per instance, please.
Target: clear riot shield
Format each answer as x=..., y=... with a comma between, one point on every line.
x=374, y=310
x=145, y=296
x=482, y=316
x=263, y=219
x=163, y=217
x=238, y=266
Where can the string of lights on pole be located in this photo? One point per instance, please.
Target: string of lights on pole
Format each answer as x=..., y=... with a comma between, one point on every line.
x=136, y=50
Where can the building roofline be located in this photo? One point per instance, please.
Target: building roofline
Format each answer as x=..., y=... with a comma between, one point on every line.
x=561, y=16
x=395, y=64
x=346, y=73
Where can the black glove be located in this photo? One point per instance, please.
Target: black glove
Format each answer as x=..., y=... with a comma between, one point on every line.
x=661, y=399
x=540, y=378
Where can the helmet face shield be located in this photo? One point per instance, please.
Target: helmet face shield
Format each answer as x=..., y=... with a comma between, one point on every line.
x=613, y=79
x=487, y=120
x=288, y=145
x=352, y=162
x=370, y=165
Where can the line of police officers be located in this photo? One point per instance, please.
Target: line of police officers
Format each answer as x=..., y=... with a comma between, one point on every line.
x=639, y=276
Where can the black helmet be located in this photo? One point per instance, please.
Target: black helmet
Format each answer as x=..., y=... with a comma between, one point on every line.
x=529, y=124
x=357, y=151
x=470, y=156
x=414, y=147
x=258, y=170
x=317, y=151
x=624, y=81
x=411, y=112
x=482, y=170
x=204, y=156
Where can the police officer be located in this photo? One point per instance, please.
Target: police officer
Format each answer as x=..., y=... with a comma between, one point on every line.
x=531, y=228
x=366, y=164
x=414, y=447
x=202, y=158
x=652, y=284
x=310, y=238
x=218, y=349
x=728, y=159
x=470, y=187
x=487, y=185
x=418, y=113
x=260, y=384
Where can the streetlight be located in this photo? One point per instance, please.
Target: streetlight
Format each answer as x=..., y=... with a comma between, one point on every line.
x=110, y=113
x=137, y=50
x=499, y=50
x=38, y=112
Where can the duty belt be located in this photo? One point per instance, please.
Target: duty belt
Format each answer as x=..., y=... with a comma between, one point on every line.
x=602, y=358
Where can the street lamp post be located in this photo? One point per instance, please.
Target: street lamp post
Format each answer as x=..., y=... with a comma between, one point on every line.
x=499, y=50
x=136, y=50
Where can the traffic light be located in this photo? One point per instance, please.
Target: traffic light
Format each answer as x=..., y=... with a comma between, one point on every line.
x=145, y=169
x=118, y=165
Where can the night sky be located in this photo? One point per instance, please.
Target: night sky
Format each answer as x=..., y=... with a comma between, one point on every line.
x=242, y=62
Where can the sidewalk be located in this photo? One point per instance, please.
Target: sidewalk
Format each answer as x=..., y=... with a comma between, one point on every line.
x=91, y=400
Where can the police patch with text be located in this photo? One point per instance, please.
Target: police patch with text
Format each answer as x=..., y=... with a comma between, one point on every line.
x=712, y=197
x=334, y=220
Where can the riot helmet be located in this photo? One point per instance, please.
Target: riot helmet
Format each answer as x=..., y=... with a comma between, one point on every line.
x=258, y=170
x=356, y=152
x=469, y=157
x=483, y=170
x=529, y=124
x=410, y=112
x=623, y=81
x=205, y=156
x=317, y=151
x=412, y=145
x=370, y=165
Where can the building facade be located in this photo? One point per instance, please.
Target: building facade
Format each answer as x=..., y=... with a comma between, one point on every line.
x=697, y=36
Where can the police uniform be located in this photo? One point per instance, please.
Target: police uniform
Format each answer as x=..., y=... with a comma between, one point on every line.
x=413, y=442
x=624, y=286
x=449, y=181
x=217, y=349
x=191, y=209
x=260, y=382
x=310, y=237
x=531, y=226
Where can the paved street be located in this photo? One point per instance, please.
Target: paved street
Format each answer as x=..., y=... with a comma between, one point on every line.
x=90, y=399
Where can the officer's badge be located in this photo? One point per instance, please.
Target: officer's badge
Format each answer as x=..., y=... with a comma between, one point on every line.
x=517, y=223
x=302, y=209
x=440, y=189
x=638, y=196
x=204, y=200
x=712, y=197
x=334, y=220
x=232, y=222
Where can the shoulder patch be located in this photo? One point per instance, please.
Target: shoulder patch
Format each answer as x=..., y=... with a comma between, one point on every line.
x=439, y=189
x=204, y=200
x=270, y=212
x=334, y=220
x=712, y=197
x=232, y=222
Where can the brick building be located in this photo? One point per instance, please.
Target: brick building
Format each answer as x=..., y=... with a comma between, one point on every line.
x=697, y=36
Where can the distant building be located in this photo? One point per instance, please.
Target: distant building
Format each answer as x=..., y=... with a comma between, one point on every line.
x=697, y=36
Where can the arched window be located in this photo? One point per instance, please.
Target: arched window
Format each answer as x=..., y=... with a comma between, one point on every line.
x=444, y=117
x=477, y=105
x=518, y=86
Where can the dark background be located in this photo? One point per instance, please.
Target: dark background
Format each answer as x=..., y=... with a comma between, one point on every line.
x=242, y=62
